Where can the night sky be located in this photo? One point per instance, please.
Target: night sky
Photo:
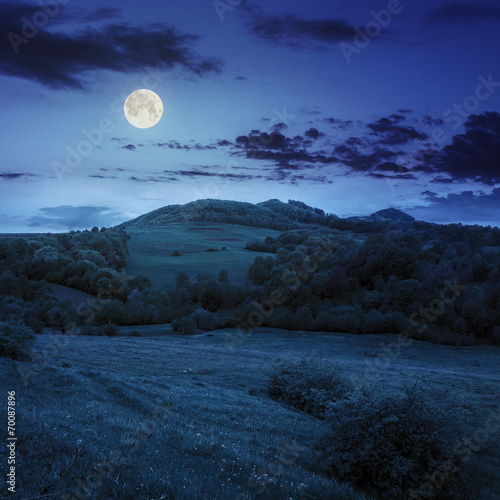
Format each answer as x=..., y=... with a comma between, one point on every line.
x=350, y=108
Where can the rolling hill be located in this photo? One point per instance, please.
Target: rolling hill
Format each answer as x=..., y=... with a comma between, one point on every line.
x=271, y=214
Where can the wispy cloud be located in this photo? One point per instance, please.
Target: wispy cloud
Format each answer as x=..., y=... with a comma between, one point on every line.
x=62, y=60
x=296, y=31
x=11, y=176
x=462, y=13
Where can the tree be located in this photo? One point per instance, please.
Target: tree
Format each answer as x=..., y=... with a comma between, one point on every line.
x=59, y=316
x=182, y=279
x=303, y=319
x=224, y=276
x=15, y=339
x=184, y=325
x=209, y=295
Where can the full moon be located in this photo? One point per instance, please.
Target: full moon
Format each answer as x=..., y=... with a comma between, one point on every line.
x=143, y=108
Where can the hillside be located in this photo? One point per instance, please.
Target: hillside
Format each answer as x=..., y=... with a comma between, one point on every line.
x=392, y=214
x=270, y=214
x=199, y=246
x=219, y=211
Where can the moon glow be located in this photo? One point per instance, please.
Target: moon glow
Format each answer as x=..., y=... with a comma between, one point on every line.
x=143, y=108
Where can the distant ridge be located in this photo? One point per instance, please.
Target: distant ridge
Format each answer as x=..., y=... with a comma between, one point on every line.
x=270, y=214
x=392, y=214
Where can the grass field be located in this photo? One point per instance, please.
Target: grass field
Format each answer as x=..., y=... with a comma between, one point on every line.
x=94, y=411
x=151, y=251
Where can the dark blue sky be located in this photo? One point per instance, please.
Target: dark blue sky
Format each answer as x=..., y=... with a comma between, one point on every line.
x=351, y=108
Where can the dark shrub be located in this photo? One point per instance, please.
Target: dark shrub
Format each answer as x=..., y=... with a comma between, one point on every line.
x=204, y=319
x=496, y=335
x=184, y=325
x=176, y=253
x=308, y=384
x=88, y=330
x=109, y=330
x=135, y=333
x=390, y=444
x=377, y=322
x=15, y=339
x=346, y=319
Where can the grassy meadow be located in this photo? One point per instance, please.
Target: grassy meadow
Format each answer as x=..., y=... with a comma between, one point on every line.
x=185, y=417
x=151, y=250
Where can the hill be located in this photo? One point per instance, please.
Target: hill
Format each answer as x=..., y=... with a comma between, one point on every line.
x=392, y=214
x=219, y=211
x=199, y=247
x=270, y=214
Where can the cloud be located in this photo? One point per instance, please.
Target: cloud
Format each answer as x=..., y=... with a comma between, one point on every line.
x=155, y=178
x=130, y=147
x=11, y=176
x=465, y=207
x=224, y=175
x=173, y=175
x=294, y=31
x=462, y=13
x=364, y=162
x=313, y=133
x=393, y=134
x=70, y=217
x=61, y=60
x=336, y=122
x=474, y=155
x=390, y=166
x=104, y=13
x=185, y=147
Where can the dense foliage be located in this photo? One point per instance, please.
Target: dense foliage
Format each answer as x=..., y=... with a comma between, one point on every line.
x=439, y=283
x=308, y=384
x=389, y=443
x=89, y=261
x=15, y=339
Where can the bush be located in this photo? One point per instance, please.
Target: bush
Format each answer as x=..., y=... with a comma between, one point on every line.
x=135, y=333
x=392, y=444
x=377, y=322
x=308, y=384
x=345, y=319
x=109, y=330
x=87, y=330
x=204, y=319
x=15, y=340
x=184, y=325
x=176, y=253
